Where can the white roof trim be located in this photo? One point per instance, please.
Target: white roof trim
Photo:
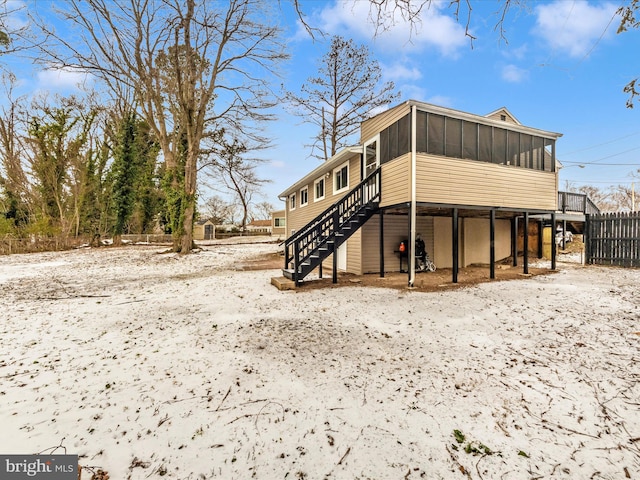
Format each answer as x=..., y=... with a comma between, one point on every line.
x=428, y=107
x=505, y=110
x=327, y=166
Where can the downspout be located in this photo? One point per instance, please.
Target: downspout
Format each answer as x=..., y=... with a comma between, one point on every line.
x=412, y=210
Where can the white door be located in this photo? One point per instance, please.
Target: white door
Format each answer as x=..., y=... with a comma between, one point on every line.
x=342, y=257
x=371, y=162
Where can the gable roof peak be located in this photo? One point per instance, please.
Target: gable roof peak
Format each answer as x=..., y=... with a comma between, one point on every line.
x=503, y=114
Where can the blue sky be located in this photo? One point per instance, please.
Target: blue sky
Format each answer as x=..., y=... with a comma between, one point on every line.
x=561, y=68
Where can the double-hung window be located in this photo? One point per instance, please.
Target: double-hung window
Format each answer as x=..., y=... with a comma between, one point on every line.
x=304, y=196
x=341, y=178
x=292, y=201
x=318, y=187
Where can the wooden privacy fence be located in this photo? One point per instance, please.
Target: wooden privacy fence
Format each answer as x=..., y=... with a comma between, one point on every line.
x=613, y=239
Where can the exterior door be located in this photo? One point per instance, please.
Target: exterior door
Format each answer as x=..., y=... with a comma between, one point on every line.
x=342, y=257
x=371, y=162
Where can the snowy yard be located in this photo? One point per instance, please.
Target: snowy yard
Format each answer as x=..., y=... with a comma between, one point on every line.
x=152, y=366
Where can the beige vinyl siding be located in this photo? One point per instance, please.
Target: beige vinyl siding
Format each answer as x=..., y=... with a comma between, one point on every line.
x=442, y=252
x=354, y=253
x=300, y=216
x=396, y=229
x=476, y=236
x=468, y=182
x=278, y=231
x=498, y=116
x=396, y=184
x=473, y=241
x=370, y=128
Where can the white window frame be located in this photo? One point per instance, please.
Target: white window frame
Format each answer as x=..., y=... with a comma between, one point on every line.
x=315, y=189
x=292, y=202
x=335, y=178
x=306, y=190
x=375, y=139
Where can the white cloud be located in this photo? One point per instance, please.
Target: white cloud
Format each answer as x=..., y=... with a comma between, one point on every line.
x=435, y=29
x=53, y=78
x=398, y=72
x=573, y=27
x=519, y=53
x=514, y=74
x=441, y=100
x=278, y=164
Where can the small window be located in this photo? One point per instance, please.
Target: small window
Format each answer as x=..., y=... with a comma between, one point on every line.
x=503, y=118
x=279, y=222
x=292, y=202
x=319, y=189
x=341, y=178
x=304, y=196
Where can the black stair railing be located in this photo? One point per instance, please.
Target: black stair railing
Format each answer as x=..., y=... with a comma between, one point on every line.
x=321, y=236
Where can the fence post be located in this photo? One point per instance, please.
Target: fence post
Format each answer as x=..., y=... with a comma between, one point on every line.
x=587, y=239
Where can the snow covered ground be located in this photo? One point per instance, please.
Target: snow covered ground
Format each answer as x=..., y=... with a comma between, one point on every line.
x=188, y=367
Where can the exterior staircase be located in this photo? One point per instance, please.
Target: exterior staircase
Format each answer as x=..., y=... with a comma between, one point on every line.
x=312, y=244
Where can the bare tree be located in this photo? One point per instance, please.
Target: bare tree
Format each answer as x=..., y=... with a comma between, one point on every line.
x=14, y=183
x=240, y=177
x=345, y=91
x=217, y=209
x=264, y=209
x=192, y=66
x=628, y=20
x=15, y=35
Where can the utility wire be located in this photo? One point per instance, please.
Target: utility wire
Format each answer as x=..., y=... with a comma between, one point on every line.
x=602, y=144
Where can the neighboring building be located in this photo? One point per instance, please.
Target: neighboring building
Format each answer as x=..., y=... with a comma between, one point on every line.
x=260, y=226
x=461, y=180
x=204, y=230
x=279, y=223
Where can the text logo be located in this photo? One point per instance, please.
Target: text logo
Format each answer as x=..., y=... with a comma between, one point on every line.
x=39, y=467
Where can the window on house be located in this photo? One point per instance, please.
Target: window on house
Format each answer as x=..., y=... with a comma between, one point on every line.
x=440, y=135
x=370, y=157
x=292, y=202
x=485, y=143
x=319, y=189
x=470, y=140
x=279, y=222
x=435, y=134
x=453, y=138
x=513, y=149
x=503, y=118
x=395, y=140
x=304, y=196
x=341, y=178
x=500, y=146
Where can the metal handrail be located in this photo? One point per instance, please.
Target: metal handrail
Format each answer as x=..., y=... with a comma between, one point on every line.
x=323, y=227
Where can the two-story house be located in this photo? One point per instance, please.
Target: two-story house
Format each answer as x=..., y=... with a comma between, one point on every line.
x=462, y=181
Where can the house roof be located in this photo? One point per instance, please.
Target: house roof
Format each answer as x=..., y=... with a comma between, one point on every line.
x=202, y=221
x=345, y=153
x=484, y=119
x=504, y=111
x=333, y=162
x=260, y=223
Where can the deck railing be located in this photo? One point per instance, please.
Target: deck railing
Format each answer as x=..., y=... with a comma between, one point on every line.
x=576, y=202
